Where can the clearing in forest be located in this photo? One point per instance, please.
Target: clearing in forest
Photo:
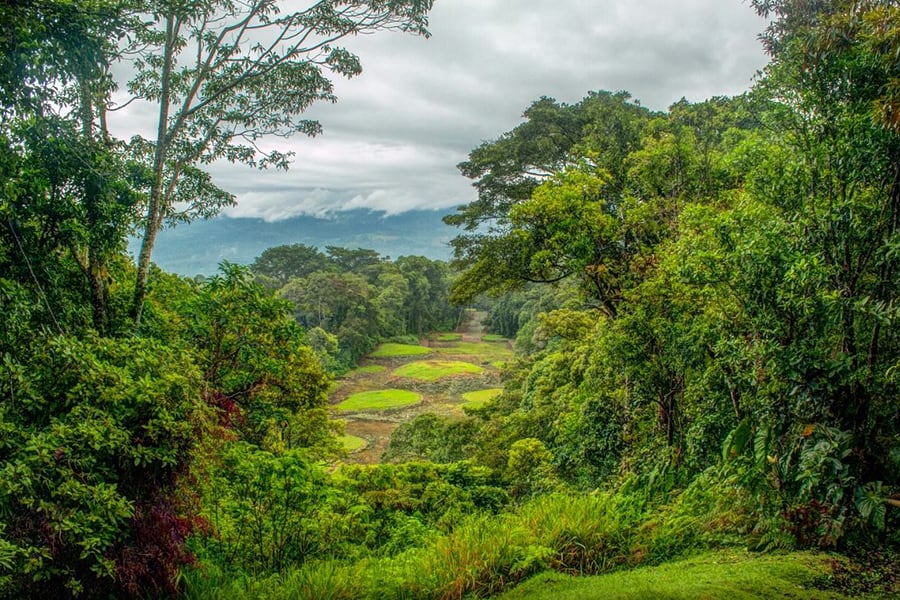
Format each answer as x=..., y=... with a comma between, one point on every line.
x=460, y=363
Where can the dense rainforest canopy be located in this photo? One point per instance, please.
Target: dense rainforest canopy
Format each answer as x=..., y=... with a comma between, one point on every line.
x=704, y=303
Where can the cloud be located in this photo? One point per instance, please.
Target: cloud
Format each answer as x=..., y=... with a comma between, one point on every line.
x=393, y=139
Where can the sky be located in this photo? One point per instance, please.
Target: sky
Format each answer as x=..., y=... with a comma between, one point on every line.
x=393, y=140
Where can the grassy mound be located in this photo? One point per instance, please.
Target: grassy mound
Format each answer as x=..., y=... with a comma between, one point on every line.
x=483, y=350
x=493, y=337
x=391, y=350
x=477, y=398
x=432, y=370
x=378, y=400
x=447, y=337
x=352, y=443
x=725, y=574
x=367, y=370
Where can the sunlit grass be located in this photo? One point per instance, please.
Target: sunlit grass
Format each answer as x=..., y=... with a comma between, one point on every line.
x=390, y=350
x=484, y=350
x=477, y=398
x=378, y=400
x=493, y=337
x=353, y=443
x=431, y=370
x=725, y=574
x=447, y=337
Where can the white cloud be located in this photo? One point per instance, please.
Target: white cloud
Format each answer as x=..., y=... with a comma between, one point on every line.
x=394, y=138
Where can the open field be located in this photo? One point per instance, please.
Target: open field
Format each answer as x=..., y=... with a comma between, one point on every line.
x=391, y=350
x=432, y=370
x=376, y=397
x=378, y=400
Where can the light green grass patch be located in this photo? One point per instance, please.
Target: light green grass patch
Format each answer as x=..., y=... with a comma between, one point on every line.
x=378, y=400
x=447, y=337
x=353, y=443
x=484, y=350
x=431, y=370
x=391, y=349
x=725, y=574
x=366, y=370
x=477, y=398
x=493, y=337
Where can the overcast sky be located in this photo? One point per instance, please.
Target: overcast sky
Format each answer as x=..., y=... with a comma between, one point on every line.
x=394, y=138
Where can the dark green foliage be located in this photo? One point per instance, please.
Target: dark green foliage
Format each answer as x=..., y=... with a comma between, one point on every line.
x=95, y=432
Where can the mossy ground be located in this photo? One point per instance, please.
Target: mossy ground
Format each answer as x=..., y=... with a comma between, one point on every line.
x=729, y=574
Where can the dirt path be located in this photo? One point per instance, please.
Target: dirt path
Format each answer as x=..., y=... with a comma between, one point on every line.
x=442, y=397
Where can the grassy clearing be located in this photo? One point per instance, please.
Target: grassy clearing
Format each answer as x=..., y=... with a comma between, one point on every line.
x=379, y=400
x=478, y=398
x=391, y=350
x=447, y=337
x=352, y=443
x=484, y=350
x=493, y=337
x=367, y=370
x=432, y=370
x=724, y=574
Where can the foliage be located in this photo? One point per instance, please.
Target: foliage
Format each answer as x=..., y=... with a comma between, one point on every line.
x=97, y=433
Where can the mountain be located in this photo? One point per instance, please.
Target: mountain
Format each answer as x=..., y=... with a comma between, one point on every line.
x=198, y=247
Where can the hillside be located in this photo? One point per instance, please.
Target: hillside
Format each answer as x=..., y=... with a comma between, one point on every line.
x=198, y=247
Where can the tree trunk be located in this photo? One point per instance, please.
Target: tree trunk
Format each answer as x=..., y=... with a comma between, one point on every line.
x=155, y=204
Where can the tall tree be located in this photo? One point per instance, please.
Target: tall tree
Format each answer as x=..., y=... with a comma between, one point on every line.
x=224, y=74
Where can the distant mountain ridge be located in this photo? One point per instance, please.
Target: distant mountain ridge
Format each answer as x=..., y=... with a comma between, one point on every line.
x=198, y=248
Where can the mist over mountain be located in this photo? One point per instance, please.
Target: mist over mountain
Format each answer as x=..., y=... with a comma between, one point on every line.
x=198, y=247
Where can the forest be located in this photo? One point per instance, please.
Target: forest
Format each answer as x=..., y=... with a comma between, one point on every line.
x=685, y=381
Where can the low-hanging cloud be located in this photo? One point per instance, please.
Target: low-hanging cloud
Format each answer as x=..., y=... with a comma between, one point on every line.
x=393, y=139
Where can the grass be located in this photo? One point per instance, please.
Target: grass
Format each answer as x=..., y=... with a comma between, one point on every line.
x=478, y=398
x=366, y=370
x=447, y=337
x=391, y=350
x=493, y=337
x=484, y=350
x=432, y=370
x=723, y=574
x=378, y=400
x=352, y=443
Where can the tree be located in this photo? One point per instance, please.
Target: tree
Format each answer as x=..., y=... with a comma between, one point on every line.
x=225, y=74
x=281, y=263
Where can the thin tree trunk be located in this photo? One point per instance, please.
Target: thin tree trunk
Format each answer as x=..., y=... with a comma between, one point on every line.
x=155, y=204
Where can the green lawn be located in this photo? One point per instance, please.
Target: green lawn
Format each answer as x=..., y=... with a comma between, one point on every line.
x=728, y=574
x=431, y=370
x=390, y=350
x=484, y=350
x=352, y=443
x=378, y=400
x=477, y=398
x=493, y=337
x=447, y=337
